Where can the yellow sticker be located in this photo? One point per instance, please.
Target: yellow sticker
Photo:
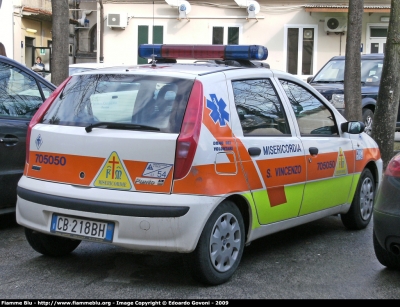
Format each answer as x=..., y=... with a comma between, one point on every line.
x=341, y=165
x=113, y=175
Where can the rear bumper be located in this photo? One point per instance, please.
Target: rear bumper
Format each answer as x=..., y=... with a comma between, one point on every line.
x=101, y=206
x=386, y=229
x=386, y=214
x=143, y=221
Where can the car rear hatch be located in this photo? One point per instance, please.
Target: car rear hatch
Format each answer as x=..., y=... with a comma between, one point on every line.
x=111, y=131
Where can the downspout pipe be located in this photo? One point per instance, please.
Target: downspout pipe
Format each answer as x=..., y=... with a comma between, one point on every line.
x=101, y=31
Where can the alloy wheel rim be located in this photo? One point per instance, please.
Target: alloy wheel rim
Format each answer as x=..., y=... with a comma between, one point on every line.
x=368, y=125
x=366, y=198
x=225, y=242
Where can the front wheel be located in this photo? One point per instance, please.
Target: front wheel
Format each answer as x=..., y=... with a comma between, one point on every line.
x=220, y=247
x=368, y=117
x=360, y=212
x=50, y=245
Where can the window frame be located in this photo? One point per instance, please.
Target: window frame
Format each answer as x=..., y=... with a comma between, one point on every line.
x=150, y=37
x=301, y=28
x=225, y=32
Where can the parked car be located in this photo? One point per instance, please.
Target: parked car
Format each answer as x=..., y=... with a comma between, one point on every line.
x=330, y=79
x=386, y=217
x=81, y=67
x=194, y=158
x=22, y=91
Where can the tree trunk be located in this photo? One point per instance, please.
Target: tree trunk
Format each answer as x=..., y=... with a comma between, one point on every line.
x=352, y=71
x=384, y=124
x=60, y=35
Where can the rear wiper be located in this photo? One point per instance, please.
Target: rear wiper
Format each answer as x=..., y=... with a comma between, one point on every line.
x=120, y=126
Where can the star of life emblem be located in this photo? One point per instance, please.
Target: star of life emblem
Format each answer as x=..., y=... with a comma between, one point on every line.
x=218, y=112
x=39, y=141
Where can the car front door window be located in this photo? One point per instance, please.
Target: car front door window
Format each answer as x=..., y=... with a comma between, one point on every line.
x=330, y=158
x=19, y=92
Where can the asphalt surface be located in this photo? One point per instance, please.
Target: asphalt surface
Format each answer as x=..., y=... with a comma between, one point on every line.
x=319, y=260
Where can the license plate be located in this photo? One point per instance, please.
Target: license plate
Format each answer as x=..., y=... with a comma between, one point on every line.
x=82, y=228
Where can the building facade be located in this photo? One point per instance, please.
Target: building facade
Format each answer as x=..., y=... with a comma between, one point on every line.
x=300, y=36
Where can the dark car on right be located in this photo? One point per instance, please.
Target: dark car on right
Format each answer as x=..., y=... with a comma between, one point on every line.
x=386, y=217
x=329, y=81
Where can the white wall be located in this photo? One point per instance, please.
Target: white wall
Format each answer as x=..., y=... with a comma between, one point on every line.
x=6, y=24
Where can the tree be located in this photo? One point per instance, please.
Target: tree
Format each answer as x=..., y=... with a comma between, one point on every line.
x=60, y=34
x=352, y=70
x=384, y=124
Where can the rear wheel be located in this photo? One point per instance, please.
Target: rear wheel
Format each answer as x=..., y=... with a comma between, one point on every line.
x=368, y=117
x=385, y=257
x=50, y=245
x=360, y=212
x=220, y=247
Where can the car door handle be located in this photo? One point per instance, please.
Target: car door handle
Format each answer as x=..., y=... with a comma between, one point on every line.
x=254, y=151
x=9, y=141
x=313, y=151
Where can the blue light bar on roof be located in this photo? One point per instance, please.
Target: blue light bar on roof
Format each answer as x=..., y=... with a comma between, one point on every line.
x=204, y=52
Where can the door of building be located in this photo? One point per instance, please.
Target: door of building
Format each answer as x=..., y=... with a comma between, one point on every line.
x=376, y=38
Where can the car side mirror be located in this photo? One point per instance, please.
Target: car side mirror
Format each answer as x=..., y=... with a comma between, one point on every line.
x=309, y=79
x=353, y=127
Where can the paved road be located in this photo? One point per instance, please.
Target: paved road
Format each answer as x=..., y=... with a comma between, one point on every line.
x=320, y=260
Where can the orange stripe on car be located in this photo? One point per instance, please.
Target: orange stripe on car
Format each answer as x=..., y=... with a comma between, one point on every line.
x=78, y=170
x=203, y=180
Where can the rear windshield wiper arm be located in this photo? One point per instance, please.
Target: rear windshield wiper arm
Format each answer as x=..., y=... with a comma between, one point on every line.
x=109, y=125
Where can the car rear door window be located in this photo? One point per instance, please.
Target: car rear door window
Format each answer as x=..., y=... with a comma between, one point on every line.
x=259, y=108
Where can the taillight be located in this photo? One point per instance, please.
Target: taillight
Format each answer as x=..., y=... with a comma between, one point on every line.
x=393, y=168
x=189, y=136
x=40, y=113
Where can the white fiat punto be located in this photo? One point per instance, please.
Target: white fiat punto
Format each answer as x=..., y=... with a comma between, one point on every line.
x=195, y=158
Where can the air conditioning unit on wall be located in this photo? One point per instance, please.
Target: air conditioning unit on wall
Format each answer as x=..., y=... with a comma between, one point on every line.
x=335, y=24
x=117, y=20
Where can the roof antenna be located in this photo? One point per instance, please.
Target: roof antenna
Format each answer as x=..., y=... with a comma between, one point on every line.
x=153, y=56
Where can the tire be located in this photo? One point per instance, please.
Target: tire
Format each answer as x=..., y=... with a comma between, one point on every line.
x=368, y=117
x=386, y=258
x=49, y=245
x=360, y=212
x=220, y=247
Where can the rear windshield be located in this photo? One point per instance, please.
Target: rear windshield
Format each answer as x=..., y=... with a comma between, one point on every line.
x=154, y=101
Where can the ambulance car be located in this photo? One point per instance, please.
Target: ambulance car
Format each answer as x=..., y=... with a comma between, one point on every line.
x=194, y=158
